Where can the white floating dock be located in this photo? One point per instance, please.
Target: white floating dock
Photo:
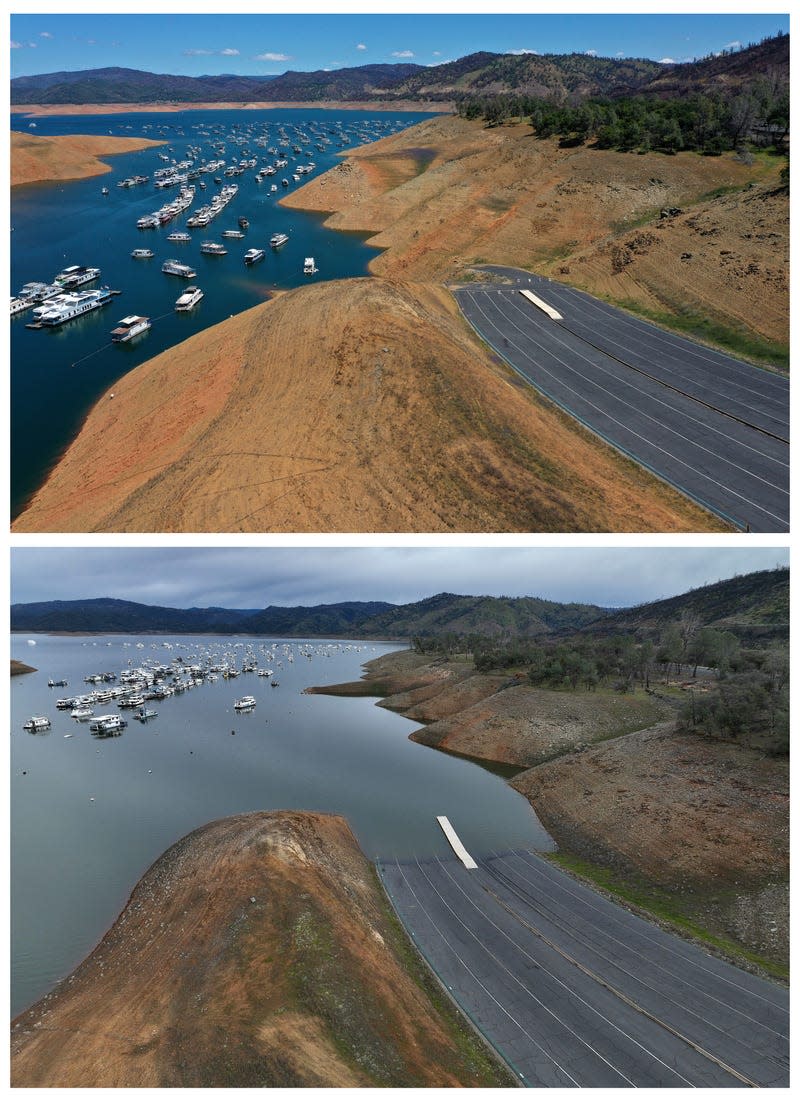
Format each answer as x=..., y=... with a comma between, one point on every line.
x=456, y=844
x=551, y=312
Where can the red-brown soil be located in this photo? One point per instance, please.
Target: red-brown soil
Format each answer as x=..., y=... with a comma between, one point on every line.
x=64, y=157
x=258, y=951
x=358, y=406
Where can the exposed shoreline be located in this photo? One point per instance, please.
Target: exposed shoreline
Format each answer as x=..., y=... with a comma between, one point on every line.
x=43, y=158
x=694, y=832
x=257, y=951
x=32, y=110
x=397, y=373
x=18, y=667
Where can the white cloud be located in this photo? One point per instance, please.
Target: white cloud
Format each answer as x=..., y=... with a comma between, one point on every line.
x=229, y=52
x=402, y=53
x=361, y=46
x=732, y=45
x=17, y=45
x=45, y=35
x=591, y=53
x=437, y=53
x=270, y=57
x=196, y=53
x=666, y=61
x=619, y=54
x=523, y=50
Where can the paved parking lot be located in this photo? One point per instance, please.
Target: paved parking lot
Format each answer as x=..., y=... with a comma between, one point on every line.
x=575, y=991
x=710, y=425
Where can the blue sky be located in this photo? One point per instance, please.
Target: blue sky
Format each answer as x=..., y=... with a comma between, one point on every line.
x=182, y=43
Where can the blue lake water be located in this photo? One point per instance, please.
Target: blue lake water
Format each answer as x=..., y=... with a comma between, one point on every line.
x=57, y=374
x=89, y=816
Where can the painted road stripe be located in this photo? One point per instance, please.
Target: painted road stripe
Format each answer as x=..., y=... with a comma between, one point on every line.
x=456, y=844
x=551, y=312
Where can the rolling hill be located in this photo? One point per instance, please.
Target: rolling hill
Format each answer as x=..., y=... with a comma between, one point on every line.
x=560, y=77
x=755, y=606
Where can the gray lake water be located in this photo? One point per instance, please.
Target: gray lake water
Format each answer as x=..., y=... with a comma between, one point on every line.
x=89, y=816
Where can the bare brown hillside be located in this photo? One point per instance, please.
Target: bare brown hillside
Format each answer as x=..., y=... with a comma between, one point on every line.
x=701, y=823
x=63, y=157
x=256, y=952
x=449, y=192
x=360, y=405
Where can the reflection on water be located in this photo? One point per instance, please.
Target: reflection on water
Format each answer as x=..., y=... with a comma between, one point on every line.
x=89, y=816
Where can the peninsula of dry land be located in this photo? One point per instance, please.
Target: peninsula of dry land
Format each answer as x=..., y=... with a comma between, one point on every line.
x=370, y=405
x=18, y=667
x=360, y=405
x=694, y=831
x=257, y=951
x=65, y=157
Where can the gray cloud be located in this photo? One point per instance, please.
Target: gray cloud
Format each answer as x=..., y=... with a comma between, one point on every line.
x=255, y=577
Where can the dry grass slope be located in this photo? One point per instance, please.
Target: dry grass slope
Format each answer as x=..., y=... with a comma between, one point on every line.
x=64, y=157
x=258, y=951
x=361, y=405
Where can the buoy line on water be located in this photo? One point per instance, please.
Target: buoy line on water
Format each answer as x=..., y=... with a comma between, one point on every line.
x=106, y=346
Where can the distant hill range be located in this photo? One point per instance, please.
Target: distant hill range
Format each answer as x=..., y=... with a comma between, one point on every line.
x=754, y=606
x=562, y=78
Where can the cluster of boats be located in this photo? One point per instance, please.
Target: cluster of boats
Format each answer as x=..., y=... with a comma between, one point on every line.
x=168, y=211
x=287, y=147
x=137, y=687
x=61, y=299
x=203, y=216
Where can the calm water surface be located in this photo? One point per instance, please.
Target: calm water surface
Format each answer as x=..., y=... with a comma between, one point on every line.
x=57, y=374
x=89, y=816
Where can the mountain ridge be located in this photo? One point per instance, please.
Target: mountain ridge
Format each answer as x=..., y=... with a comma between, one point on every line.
x=561, y=77
x=757, y=601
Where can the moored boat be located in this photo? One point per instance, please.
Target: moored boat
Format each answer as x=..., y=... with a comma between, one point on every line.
x=142, y=252
x=309, y=266
x=278, y=239
x=212, y=248
x=36, y=724
x=73, y=276
x=189, y=298
x=180, y=269
x=246, y=703
x=75, y=304
x=129, y=327
x=255, y=254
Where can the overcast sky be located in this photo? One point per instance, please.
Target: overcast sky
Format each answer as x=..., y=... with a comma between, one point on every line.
x=252, y=578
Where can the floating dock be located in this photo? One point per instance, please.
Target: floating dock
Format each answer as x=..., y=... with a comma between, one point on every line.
x=456, y=844
x=551, y=312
